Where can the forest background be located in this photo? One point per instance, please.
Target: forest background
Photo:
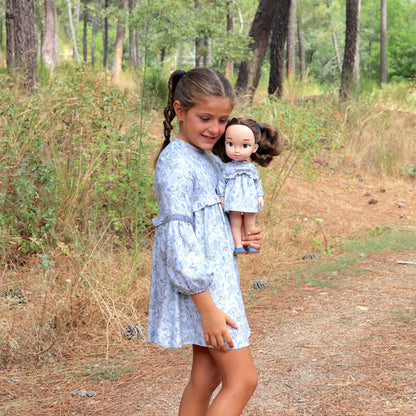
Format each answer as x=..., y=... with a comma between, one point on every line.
x=80, y=124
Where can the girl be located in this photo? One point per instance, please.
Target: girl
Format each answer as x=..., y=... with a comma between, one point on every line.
x=240, y=187
x=195, y=295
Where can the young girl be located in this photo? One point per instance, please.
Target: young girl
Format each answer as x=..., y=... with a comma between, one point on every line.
x=240, y=187
x=195, y=294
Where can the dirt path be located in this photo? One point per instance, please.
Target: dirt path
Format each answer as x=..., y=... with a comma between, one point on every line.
x=342, y=349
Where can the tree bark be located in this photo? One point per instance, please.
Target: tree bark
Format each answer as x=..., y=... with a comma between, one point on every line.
x=132, y=37
x=119, y=46
x=356, y=70
x=105, y=36
x=229, y=64
x=334, y=41
x=291, y=42
x=85, y=36
x=73, y=36
x=249, y=73
x=301, y=41
x=21, y=40
x=50, y=47
x=383, y=43
x=351, y=33
x=277, y=48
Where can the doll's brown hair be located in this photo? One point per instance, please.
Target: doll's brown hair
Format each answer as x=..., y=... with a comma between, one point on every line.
x=267, y=138
x=191, y=88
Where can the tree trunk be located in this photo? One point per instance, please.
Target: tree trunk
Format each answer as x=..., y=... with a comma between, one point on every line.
x=105, y=36
x=291, y=41
x=229, y=64
x=132, y=37
x=85, y=36
x=10, y=30
x=73, y=36
x=334, y=41
x=356, y=70
x=351, y=33
x=249, y=73
x=21, y=40
x=383, y=43
x=119, y=46
x=50, y=47
x=277, y=48
x=301, y=41
x=93, y=34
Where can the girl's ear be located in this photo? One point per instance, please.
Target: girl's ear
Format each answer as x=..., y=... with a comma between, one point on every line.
x=179, y=111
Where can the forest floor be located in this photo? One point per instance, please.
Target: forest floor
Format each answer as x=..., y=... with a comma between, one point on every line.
x=344, y=344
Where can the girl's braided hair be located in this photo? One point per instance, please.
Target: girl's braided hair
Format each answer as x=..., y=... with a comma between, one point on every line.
x=268, y=139
x=191, y=88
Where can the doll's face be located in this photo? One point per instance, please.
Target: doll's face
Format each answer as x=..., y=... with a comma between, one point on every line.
x=239, y=142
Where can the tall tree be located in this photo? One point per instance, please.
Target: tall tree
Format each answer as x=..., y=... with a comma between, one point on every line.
x=105, y=36
x=229, y=64
x=73, y=33
x=301, y=41
x=50, y=46
x=21, y=40
x=277, y=48
x=249, y=73
x=351, y=34
x=291, y=41
x=383, y=43
x=119, y=46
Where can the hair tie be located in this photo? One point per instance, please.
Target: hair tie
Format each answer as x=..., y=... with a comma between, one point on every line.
x=167, y=138
x=181, y=74
x=260, y=127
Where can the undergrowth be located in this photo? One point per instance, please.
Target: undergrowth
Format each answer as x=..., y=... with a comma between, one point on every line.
x=76, y=198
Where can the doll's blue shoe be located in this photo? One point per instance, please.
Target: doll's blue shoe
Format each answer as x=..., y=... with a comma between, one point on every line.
x=251, y=250
x=239, y=250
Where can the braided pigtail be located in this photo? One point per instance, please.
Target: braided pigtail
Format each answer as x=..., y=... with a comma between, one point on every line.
x=270, y=145
x=169, y=111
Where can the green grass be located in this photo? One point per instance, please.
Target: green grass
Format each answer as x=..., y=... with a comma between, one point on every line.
x=337, y=269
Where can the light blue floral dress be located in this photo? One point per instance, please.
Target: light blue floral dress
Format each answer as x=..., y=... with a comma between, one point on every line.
x=240, y=185
x=193, y=250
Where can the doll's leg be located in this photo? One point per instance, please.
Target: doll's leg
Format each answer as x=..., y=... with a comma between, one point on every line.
x=236, y=221
x=205, y=378
x=249, y=224
x=239, y=380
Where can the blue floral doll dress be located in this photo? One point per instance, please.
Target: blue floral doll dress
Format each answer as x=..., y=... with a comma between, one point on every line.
x=193, y=250
x=240, y=185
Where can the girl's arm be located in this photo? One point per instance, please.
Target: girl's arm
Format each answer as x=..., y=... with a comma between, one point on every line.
x=214, y=322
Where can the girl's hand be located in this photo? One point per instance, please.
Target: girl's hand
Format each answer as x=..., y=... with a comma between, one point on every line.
x=222, y=201
x=253, y=238
x=216, y=332
x=261, y=201
x=214, y=322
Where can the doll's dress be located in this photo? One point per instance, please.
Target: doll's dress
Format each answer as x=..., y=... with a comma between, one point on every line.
x=193, y=250
x=240, y=185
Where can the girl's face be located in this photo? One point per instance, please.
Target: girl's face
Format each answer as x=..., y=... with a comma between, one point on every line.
x=240, y=143
x=204, y=123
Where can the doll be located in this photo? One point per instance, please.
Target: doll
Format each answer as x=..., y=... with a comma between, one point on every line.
x=239, y=187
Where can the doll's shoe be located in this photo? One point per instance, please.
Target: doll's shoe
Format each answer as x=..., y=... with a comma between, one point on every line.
x=239, y=250
x=251, y=250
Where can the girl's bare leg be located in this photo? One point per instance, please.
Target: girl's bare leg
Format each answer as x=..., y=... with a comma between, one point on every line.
x=205, y=378
x=239, y=380
x=236, y=221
